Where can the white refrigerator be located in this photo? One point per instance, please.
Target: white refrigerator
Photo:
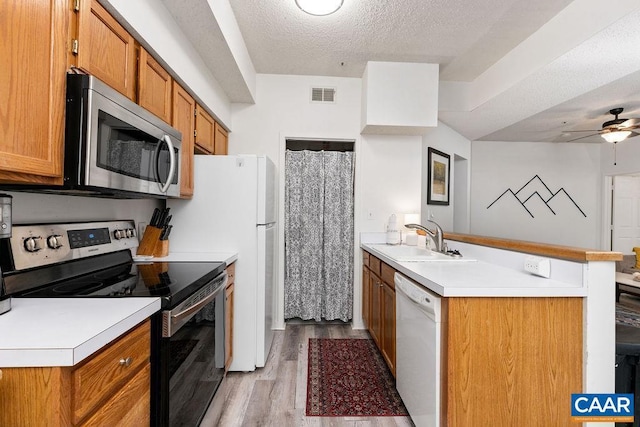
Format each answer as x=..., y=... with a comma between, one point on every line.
x=234, y=209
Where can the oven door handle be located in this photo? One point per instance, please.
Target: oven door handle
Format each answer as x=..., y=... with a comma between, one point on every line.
x=194, y=308
x=172, y=164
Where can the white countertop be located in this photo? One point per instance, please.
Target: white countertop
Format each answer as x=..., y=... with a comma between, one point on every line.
x=478, y=279
x=64, y=331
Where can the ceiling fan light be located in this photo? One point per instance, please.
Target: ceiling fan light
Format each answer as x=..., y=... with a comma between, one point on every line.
x=319, y=7
x=616, y=136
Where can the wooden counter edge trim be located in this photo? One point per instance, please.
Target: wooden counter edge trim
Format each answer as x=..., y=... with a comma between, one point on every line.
x=542, y=249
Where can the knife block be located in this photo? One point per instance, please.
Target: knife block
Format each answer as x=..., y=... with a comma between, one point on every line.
x=151, y=243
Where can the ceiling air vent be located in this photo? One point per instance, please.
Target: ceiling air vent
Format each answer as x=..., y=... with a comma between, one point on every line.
x=323, y=94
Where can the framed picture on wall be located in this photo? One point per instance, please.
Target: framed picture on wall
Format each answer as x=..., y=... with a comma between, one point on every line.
x=438, y=177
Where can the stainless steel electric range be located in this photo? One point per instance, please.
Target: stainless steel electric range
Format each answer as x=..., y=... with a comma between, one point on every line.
x=94, y=260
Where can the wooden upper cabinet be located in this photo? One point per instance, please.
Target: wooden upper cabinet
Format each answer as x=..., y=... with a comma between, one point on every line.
x=105, y=49
x=183, y=119
x=205, y=131
x=154, y=86
x=221, y=141
x=33, y=49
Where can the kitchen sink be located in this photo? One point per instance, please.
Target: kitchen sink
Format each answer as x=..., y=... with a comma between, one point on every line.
x=403, y=253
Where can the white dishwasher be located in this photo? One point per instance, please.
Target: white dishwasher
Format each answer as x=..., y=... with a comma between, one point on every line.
x=418, y=336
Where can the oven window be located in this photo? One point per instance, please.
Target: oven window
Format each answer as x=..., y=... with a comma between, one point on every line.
x=129, y=151
x=196, y=364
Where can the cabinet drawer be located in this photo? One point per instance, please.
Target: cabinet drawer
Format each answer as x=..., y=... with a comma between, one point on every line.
x=387, y=273
x=106, y=372
x=231, y=273
x=374, y=264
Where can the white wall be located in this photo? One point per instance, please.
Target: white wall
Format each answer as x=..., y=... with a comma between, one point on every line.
x=38, y=208
x=498, y=166
x=444, y=139
x=387, y=167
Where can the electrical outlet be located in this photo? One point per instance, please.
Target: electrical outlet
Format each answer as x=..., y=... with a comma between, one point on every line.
x=538, y=266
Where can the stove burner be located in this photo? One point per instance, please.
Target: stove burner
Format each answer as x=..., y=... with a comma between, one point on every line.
x=72, y=288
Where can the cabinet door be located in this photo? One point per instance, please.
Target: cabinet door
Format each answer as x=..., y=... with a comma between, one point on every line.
x=388, y=347
x=129, y=406
x=154, y=86
x=366, y=297
x=221, y=140
x=228, y=319
x=183, y=119
x=33, y=80
x=105, y=48
x=205, y=131
x=375, y=328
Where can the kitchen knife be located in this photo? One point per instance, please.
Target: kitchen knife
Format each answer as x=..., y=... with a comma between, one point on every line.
x=166, y=220
x=163, y=233
x=163, y=215
x=155, y=217
x=166, y=235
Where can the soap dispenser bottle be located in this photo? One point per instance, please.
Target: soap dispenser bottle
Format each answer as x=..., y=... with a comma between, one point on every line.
x=393, y=234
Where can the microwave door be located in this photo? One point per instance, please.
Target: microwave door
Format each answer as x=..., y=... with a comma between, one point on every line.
x=128, y=153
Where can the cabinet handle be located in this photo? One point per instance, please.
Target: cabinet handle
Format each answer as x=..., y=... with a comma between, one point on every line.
x=126, y=362
x=0, y=374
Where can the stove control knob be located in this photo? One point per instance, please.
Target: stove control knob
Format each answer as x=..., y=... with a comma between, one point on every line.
x=119, y=234
x=130, y=232
x=54, y=241
x=33, y=244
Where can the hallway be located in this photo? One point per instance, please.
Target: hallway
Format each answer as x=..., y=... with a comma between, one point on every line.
x=276, y=394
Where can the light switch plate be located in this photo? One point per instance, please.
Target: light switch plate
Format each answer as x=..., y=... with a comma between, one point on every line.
x=538, y=266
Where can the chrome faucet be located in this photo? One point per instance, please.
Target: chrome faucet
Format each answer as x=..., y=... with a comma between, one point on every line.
x=436, y=236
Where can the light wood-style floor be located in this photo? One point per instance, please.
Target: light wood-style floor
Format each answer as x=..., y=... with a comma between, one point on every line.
x=276, y=394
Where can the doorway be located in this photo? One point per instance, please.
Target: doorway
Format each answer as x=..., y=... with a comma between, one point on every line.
x=319, y=230
x=625, y=213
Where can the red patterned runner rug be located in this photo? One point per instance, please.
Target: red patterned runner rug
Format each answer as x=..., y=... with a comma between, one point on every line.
x=348, y=377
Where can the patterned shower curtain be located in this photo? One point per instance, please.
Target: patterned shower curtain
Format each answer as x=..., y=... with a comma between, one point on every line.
x=319, y=235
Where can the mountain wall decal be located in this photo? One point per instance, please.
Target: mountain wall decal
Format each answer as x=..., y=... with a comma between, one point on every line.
x=535, y=191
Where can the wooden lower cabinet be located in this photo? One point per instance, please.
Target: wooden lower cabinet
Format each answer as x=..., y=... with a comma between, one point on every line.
x=375, y=325
x=521, y=357
x=379, y=307
x=366, y=296
x=110, y=388
x=388, y=309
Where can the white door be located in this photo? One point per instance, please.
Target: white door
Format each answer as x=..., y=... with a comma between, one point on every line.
x=626, y=213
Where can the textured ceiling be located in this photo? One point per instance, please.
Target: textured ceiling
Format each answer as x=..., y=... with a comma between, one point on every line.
x=464, y=40
x=521, y=70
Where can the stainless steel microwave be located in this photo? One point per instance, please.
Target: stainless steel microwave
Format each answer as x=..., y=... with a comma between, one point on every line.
x=116, y=148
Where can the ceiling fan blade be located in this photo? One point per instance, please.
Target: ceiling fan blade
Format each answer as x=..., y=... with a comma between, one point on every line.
x=582, y=137
x=629, y=123
x=585, y=130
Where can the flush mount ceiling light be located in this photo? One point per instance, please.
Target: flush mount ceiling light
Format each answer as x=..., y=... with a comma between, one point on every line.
x=616, y=136
x=319, y=7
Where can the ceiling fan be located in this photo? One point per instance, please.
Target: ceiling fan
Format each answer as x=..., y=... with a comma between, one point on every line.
x=615, y=130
